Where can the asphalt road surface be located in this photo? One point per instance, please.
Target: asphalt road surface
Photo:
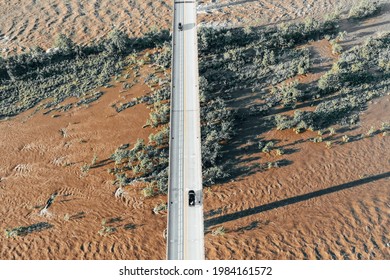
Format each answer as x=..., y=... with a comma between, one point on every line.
x=185, y=236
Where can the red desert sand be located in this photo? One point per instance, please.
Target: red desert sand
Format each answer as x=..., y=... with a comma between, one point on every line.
x=325, y=202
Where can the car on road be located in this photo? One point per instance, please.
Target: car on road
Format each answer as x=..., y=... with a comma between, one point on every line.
x=191, y=198
x=180, y=26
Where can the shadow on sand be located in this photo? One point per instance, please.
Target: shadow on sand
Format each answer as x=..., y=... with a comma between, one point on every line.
x=23, y=231
x=292, y=200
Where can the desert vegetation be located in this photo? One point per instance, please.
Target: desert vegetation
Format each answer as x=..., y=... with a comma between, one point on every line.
x=231, y=60
x=364, y=9
x=358, y=76
x=25, y=230
x=253, y=81
x=66, y=70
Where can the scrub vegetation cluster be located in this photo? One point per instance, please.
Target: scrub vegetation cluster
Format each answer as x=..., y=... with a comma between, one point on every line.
x=261, y=60
x=358, y=76
x=66, y=70
x=230, y=60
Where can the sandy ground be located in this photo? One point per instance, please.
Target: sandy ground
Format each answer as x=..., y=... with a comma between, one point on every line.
x=324, y=204
x=321, y=204
x=42, y=155
x=28, y=23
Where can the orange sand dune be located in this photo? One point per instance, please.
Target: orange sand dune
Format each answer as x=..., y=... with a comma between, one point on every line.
x=28, y=23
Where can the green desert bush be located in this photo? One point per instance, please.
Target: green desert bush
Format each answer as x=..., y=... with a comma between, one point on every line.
x=219, y=231
x=117, y=42
x=364, y=9
x=336, y=47
x=25, y=230
x=370, y=132
x=345, y=138
x=268, y=147
x=64, y=44
x=385, y=126
x=301, y=119
x=161, y=207
x=106, y=230
x=159, y=114
x=289, y=94
x=271, y=165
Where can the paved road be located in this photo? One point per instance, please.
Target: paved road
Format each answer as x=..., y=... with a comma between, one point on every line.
x=185, y=223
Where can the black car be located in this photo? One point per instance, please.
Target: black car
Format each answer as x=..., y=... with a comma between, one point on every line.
x=191, y=198
x=180, y=26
